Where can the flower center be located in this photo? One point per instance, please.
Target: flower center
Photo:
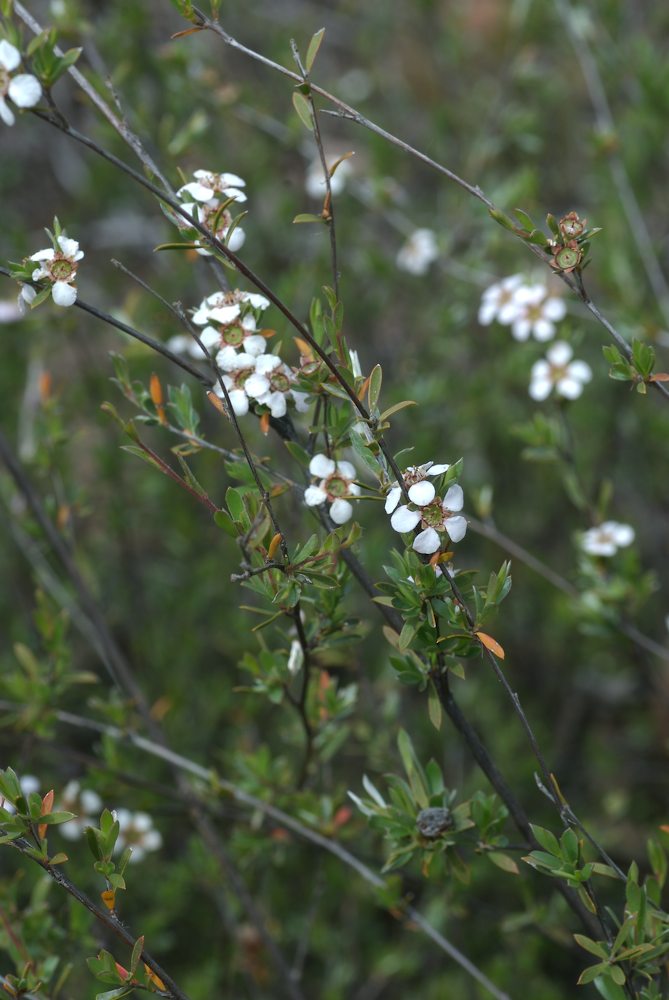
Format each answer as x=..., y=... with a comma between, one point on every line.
x=61, y=269
x=224, y=220
x=279, y=381
x=336, y=486
x=241, y=377
x=433, y=515
x=232, y=335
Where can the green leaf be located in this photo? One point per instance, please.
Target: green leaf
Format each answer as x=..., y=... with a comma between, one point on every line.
x=502, y=219
x=547, y=840
x=375, y=380
x=223, y=520
x=303, y=108
x=308, y=217
x=609, y=990
x=434, y=708
x=140, y=453
x=314, y=46
x=525, y=220
x=594, y=947
x=396, y=408
x=504, y=862
x=591, y=973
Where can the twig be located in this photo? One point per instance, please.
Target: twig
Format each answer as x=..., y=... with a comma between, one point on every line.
x=105, y=917
x=284, y=819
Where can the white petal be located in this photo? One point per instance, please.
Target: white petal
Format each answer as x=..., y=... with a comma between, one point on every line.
x=540, y=388
x=341, y=511
x=236, y=241
x=6, y=112
x=569, y=388
x=27, y=293
x=487, y=313
x=622, y=533
x=224, y=314
x=256, y=385
x=543, y=330
x=427, y=542
x=257, y=301
x=10, y=57
x=240, y=401
x=456, y=528
x=266, y=363
x=302, y=400
x=454, y=499
x=554, y=309
x=242, y=360
x=393, y=499
x=64, y=294
x=580, y=370
x=25, y=90
x=90, y=801
x=210, y=338
x=44, y=255
x=255, y=345
x=437, y=470
x=520, y=329
x=404, y=519
x=422, y=493
x=180, y=344
x=277, y=404
x=314, y=496
x=196, y=190
x=29, y=784
x=353, y=490
x=508, y=312
x=229, y=180
x=226, y=359
x=235, y=193
x=321, y=466
x=559, y=353
x=347, y=469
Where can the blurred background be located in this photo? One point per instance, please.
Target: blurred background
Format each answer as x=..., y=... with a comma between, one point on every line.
x=546, y=107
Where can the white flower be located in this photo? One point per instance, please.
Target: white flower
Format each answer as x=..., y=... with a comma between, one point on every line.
x=536, y=313
x=419, y=251
x=85, y=803
x=60, y=268
x=137, y=832
x=23, y=89
x=557, y=371
x=238, y=368
x=29, y=784
x=499, y=301
x=271, y=385
x=206, y=214
x=433, y=514
x=414, y=475
x=208, y=186
x=315, y=181
x=607, y=538
x=295, y=658
x=335, y=482
x=243, y=301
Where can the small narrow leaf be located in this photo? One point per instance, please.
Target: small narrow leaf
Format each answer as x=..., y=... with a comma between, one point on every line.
x=490, y=643
x=375, y=380
x=314, y=46
x=303, y=108
x=434, y=709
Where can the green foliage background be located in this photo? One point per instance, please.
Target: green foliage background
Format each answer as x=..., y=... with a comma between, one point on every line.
x=494, y=91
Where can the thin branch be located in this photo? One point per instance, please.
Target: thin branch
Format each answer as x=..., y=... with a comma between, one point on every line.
x=105, y=917
x=119, y=124
x=606, y=125
x=351, y=114
x=213, y=780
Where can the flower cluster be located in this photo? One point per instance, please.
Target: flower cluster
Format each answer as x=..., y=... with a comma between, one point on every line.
x=23, y=89
x=334, y=482
x=558, y=372
x=207, y=199
x=58, y=266
x=86, y=806
x=137, y=832
x=607, y=538
x=228, y=319
x=419, y=251
x=435, y=515
x=529, y=309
